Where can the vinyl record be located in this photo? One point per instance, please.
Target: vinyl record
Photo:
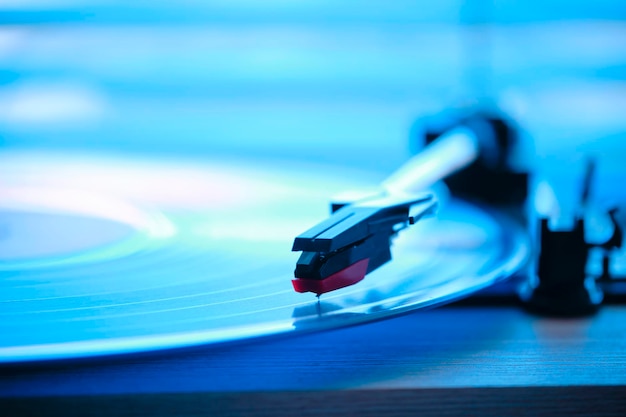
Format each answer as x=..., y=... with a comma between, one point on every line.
x=103, y=256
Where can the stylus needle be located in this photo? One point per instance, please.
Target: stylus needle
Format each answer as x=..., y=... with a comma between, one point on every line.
x=355, y=240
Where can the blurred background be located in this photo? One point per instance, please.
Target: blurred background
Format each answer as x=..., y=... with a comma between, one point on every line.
x=337, y=82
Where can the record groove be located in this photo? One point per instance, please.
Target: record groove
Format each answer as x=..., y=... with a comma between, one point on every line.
x=214, y=265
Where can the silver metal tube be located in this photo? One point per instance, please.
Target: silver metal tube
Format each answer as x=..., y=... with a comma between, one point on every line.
x=446, y=155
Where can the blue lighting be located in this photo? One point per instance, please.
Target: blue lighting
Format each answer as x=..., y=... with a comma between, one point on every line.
x=323, y=81
x=222, y=105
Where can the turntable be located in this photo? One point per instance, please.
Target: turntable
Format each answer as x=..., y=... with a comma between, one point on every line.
x=165, y=169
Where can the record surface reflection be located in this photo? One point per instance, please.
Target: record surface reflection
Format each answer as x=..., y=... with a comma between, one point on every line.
x=109, y=256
